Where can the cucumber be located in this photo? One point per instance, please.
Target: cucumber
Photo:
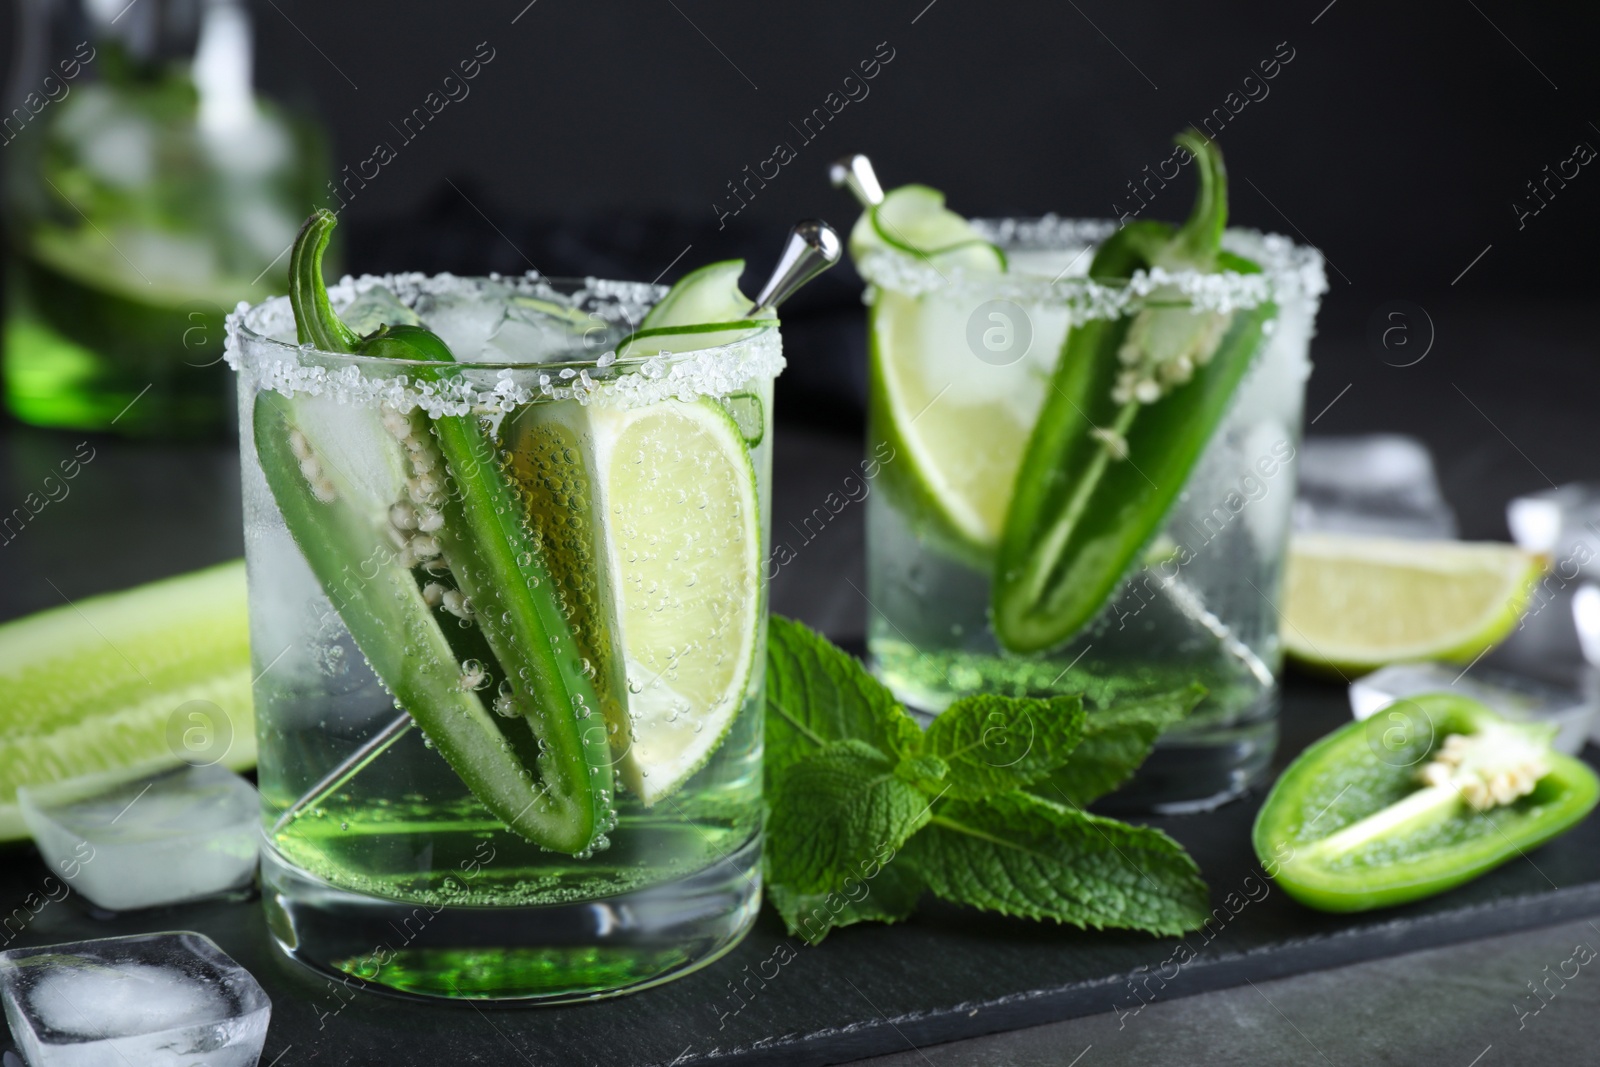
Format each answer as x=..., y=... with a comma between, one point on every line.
x=707, y=295
x=913, y=221
x=705, y=309
x=102, y=683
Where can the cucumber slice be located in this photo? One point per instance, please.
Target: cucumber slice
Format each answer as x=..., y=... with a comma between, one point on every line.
x=673, y=339
x=913, y=221
x=704, y=309
x=100, y=683
x=710, y=294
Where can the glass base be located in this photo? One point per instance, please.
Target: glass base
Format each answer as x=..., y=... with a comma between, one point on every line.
x=1202, y=768
x=550, y=954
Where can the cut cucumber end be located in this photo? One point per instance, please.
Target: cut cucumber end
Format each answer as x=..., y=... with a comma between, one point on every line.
x=158, y=673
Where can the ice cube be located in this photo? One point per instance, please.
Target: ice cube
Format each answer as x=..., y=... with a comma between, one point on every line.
x=1380, y=484
x=1515, y=696
x=465, y=313
x=376, y=307
x=155, y=1000
x=1563, y=523
x=1586, y=618
x=135, y=839
x=526, y=339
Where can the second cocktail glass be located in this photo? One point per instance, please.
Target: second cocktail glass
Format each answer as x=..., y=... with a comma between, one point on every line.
x=966, y=333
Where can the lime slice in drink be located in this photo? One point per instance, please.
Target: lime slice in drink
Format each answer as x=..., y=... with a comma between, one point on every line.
x=672, y=539
x=958, y=426
x=664, y=570
x=1352, y=604
x=160, y=673
x=956, y=416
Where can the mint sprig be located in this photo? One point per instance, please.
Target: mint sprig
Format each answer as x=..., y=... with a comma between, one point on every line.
x=985, y=809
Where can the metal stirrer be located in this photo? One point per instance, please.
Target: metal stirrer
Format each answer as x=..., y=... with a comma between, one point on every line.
x=856, y=173
x=812, y=248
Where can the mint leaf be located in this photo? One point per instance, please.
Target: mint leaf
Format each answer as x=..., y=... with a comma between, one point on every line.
x=1116, y=740
x=817, y=694
x=835, y=813
x=1019, y=855
x=992, y=744
x=882, y=893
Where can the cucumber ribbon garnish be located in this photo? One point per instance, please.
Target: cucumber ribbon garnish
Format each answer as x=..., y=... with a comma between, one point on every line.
x=449, y=600
x=1131, y=404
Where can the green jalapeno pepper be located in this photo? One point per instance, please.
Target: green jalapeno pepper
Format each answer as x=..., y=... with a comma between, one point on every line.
x=1427, y=794
x=1131, y=405
x=442, y=587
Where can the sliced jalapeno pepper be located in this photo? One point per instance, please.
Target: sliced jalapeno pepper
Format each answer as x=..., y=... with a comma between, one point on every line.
x=1131, y=405
x=1425, y=795
x=538, y=757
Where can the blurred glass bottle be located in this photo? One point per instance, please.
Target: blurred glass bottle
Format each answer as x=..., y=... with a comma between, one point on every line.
x=148, y=191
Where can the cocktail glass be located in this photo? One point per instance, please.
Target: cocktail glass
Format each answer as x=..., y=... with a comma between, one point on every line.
x=398, y=734
x=961, y=363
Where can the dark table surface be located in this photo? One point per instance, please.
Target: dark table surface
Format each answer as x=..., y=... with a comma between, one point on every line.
x=1504, y=402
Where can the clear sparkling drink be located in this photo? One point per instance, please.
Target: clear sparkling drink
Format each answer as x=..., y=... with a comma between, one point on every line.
x=635, y=494
x=961, y=362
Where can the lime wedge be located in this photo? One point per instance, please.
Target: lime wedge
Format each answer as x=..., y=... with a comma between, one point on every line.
x=1356, y=603
x=957, y=421
x=673, y=508
x=157, y=673
x=653, y=526
x=958, y=426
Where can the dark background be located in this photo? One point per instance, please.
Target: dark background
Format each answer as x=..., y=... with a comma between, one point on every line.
x=1396, y=139
x=602, y=137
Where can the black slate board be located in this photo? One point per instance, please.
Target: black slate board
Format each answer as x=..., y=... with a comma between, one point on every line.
x=946, y=974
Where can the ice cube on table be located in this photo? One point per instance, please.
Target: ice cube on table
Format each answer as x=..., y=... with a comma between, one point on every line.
x=1379, y=484
x=1586, y=618
x=139, y=838
x=1514, y=696
x=155, y=1000
x=1562, y=523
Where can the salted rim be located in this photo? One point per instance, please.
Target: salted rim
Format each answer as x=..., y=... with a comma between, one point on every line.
x=1288, y=271
x=252, y=348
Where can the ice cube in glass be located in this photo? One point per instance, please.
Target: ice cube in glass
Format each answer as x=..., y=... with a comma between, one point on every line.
x=1562, y=523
